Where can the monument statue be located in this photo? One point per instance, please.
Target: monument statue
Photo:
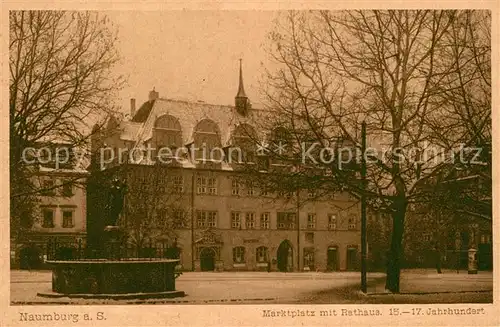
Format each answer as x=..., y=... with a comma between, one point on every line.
x=94, y=277
x=113, y=236
x=118, y=190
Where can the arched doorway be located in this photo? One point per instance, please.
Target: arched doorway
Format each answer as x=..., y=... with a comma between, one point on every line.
x=284, y=256
x=207, y=259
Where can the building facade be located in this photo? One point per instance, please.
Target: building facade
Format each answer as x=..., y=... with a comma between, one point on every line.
x=230, y=225
x=448, y=238
x=59, y=215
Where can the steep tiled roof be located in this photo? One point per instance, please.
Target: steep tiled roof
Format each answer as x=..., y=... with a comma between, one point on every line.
x=129, y=130
x=143, y=112
x=189, y=114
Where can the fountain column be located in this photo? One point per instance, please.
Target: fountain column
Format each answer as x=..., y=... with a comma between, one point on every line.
x=108, y=276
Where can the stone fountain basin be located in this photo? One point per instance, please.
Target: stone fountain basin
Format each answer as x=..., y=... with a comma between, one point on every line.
x=130, y=278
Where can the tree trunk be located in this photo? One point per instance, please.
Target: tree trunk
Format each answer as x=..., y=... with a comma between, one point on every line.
x=394, y=260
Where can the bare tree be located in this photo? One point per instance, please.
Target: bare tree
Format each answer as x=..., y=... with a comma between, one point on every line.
x=465, y=99
x=337, y=69
x=61, y=84
x=154, y=208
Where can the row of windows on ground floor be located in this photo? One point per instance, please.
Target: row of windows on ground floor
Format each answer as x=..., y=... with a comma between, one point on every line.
x=245, y=258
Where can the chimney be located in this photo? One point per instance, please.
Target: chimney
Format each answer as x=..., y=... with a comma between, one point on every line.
x=153, y=95
x=132, y=107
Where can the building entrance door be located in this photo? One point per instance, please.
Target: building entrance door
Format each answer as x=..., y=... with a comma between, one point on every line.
x=332, y=259
x=285, y=256
x=207, y=259
x=352, y=254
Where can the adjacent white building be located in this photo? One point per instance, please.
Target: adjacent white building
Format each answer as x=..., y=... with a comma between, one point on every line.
x=59, y=214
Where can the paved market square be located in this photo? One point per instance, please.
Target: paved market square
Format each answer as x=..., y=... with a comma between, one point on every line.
x=417, y=286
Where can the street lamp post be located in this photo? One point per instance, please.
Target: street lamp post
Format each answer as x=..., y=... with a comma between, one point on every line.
x=363, y=208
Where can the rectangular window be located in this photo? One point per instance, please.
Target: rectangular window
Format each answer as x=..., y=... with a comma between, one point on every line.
x=68, y=221
x=250, y=189
x=212, y=219
x=235, y=220
x=206, y=219
x=286, y=220
x=48, y=218
x=309, y=258
x=201, y=217
x=311, y=221
x=351, y=223
x=291, y=220
x=178, y=184
x=250, y=220
x=239, y=254
x=265, y=220
x=162, y=180
x=261, y=254
x=310, y=237
x=161, y=218
x=281, y=220
x=264, y=193
x=426, y=237
x=67, y=189
x=235, y=187
x=332, y=222
x=212, y=186
x=201, y=185
x=179, y=218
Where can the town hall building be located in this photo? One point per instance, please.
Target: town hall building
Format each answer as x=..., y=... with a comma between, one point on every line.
x=228, y=225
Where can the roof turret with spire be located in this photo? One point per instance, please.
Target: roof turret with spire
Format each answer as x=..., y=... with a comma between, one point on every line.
x=241, y=101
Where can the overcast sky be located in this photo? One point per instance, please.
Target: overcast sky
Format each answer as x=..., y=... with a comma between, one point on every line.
x=192, y=54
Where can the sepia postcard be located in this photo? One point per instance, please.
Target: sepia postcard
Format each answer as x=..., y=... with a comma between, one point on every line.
x=249, y=164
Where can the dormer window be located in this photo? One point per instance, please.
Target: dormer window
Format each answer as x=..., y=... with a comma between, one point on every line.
x=244, y=140
x=206, y=141
x=167, y=133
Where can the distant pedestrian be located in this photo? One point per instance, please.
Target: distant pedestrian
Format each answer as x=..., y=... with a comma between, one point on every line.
x=438, y=259
x=268, y=266
x=28, y=261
